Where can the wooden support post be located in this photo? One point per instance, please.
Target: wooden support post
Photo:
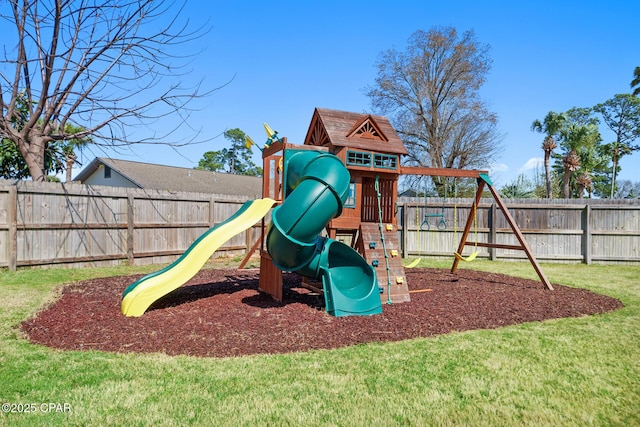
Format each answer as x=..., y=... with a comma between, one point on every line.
x=493, y=231
x=251, y=251
x=270, y=278
x=467, y=226
x=520, y=237
x=514, y=227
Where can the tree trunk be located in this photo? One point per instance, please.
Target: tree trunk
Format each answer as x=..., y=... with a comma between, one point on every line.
x=547, y=173
x=613, y=180
x=566, y=177
x=33, y=154
x=71, y=159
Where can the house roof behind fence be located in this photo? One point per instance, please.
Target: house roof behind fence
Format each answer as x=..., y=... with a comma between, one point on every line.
x=172, y=178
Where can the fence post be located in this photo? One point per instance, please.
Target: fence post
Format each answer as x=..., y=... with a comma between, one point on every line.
x=130, y=229
x=586, y=234
x=212, y=213
x=12, y=219
x=403, y=229
x=493, y=234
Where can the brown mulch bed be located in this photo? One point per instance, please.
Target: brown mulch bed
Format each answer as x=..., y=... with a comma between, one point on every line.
x=220, y=313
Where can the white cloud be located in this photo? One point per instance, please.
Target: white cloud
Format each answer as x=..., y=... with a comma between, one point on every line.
x=532, y=163
x=498, y=167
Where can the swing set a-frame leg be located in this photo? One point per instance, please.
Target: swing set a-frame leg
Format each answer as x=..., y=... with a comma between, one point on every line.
x=523, y=243
x=467, y=226
x=514, y=227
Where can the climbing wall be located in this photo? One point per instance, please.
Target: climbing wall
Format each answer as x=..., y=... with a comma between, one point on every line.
x=370, y=246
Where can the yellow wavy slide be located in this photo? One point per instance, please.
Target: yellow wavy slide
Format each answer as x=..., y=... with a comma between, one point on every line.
x=137, y=298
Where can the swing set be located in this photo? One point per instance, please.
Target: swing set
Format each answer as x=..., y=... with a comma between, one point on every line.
x=441, y=225
x=482, y=181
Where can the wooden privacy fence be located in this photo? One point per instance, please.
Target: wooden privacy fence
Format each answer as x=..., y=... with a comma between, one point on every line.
x=78, y=225
x=587, y=230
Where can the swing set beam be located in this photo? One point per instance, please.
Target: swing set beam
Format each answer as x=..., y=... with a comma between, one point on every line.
x=482, y=178
x=446, y=172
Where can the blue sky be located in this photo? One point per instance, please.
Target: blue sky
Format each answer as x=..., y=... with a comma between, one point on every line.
x=282, y=59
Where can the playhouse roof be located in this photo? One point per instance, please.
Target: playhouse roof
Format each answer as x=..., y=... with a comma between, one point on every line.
x=354, y=130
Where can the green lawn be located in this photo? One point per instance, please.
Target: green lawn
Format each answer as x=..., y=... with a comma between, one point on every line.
x=567, y=372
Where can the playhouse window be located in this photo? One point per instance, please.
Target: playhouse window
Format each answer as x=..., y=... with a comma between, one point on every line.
x=351, y=200
x=385, y=161
x=358, y=158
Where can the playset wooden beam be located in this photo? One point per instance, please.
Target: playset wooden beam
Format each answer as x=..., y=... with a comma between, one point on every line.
x=251, y=251
x=446, y=172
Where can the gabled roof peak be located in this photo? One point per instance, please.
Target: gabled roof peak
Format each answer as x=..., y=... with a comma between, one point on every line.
x=334, y=128
x=368, y=129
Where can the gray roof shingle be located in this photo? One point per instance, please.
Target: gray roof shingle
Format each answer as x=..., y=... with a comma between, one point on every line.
x=172, y=178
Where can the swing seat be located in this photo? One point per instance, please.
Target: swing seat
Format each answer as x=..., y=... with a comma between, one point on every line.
x=467, y=259
x=414, y=263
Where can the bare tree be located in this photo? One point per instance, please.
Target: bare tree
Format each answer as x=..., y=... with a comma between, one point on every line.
x=101, y=66
x=431, y=94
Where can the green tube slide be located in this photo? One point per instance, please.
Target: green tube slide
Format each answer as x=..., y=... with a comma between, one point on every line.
x=317, y=184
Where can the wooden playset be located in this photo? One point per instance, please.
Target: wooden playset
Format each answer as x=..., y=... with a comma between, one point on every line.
x=342, y=182
x=371, y=150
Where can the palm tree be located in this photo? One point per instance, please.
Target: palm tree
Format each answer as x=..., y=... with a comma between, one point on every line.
x=635, y=83
x=521, y=188
x=67, y=148
x=583, y=181
x=551, y=125
x=615, y=151
x=570, y=163
x=593, y=163
x=576, y=138
x=548, y=145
